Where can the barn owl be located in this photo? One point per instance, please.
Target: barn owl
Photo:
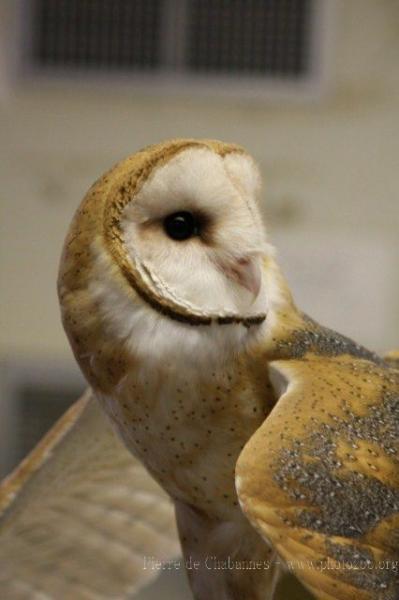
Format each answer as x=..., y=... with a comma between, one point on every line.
x=275, y=438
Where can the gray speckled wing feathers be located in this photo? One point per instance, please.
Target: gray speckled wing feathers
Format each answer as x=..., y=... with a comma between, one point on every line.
x=320, y=477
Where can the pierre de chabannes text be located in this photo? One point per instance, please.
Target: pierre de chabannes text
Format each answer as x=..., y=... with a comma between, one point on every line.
x=213, y=563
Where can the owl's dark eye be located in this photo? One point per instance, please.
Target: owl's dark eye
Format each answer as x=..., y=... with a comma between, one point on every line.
x=181, y=225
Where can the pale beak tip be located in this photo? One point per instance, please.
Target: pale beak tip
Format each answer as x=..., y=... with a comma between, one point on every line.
x=247, y=272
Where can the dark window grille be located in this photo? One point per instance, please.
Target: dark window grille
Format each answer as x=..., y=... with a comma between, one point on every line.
x=104, y=34
x=262, y=37
x=259, y=38
x=38, y=409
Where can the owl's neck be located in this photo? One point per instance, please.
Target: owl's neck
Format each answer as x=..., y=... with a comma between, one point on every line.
x=289, y=334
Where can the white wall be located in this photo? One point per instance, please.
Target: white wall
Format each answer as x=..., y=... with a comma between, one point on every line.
x=330, y=168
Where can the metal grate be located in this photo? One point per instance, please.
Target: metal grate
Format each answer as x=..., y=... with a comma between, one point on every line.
x=249, y=36
x=102, y=34
x=37, y=410
x=244, y=47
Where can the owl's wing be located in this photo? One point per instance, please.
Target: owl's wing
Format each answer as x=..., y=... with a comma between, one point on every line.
x=320, y=477
x=80, y=514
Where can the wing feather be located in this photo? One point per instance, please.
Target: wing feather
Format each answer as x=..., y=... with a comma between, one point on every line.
x=320, y=477
x=79, y=515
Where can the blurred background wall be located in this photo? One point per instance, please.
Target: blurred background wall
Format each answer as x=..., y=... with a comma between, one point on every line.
x=330, y=165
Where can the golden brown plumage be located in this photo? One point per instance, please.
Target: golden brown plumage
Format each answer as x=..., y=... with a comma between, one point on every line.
x=189, y=413
x=320, y=477
x=213, y=386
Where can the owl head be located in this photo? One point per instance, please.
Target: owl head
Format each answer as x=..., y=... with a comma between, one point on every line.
x=165, y=253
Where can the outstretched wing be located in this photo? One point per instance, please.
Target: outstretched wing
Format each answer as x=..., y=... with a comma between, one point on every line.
x=80, y=514
x=320, y=477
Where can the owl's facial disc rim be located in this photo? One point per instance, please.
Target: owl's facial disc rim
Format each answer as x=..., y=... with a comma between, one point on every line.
x=170, y=307
x=135, y=273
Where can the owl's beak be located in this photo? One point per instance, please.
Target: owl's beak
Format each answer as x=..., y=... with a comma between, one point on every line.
x=246, y=272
